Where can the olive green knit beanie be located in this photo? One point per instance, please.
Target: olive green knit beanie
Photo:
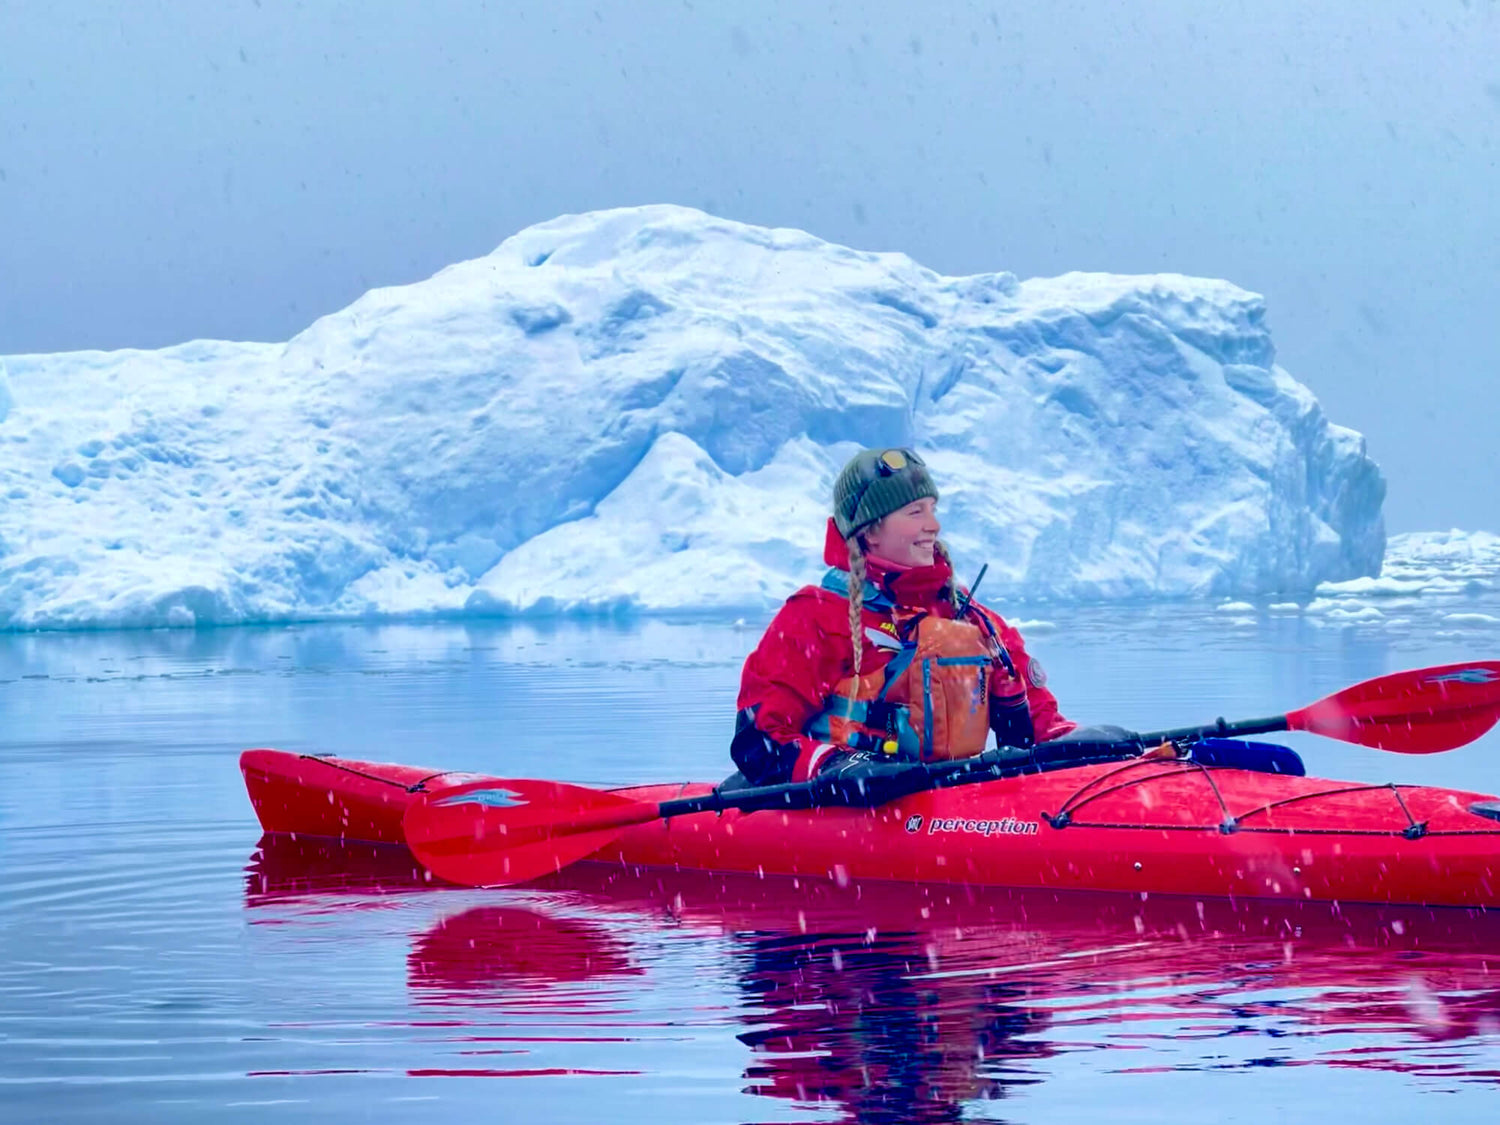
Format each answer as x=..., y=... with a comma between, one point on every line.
x=875, y=483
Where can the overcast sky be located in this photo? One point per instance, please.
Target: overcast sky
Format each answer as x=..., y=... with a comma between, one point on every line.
x=233, y=170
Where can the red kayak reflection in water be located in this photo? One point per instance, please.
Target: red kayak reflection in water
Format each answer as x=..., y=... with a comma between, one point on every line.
x=285, y=867
x=493, y=950
x=892, y=1002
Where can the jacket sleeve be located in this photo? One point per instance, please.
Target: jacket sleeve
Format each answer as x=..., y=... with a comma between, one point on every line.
x=785, y=682
x=1045, y=714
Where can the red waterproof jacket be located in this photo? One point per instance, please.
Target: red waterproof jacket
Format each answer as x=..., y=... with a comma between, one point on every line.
x=806, y=651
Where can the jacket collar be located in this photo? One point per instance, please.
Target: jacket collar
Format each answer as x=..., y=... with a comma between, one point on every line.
x=916, y=588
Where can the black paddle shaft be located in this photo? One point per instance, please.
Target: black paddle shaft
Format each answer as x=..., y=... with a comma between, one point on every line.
x=889, y=781
x=1219, y=729
x=893, y=780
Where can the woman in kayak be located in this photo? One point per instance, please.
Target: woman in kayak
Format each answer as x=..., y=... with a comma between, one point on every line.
x=932, y=672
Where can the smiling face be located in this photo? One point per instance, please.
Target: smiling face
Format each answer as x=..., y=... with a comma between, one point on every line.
x=908, y=536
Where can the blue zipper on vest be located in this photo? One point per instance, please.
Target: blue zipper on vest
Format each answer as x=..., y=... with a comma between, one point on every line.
x=927, y=710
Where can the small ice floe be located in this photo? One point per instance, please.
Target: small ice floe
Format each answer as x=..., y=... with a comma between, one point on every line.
x=1355, y=613
x=1342, y=611
x=1471, y=619
x=1035, y=626
x=1386, y=586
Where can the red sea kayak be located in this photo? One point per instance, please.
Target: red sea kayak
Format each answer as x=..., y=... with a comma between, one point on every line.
x=1147, y=825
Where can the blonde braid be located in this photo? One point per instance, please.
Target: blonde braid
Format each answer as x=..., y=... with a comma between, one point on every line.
x=949, y=592
x=856, y=599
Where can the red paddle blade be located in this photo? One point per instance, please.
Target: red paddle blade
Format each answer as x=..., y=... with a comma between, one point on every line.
x=1423, y=711
x=495, y=832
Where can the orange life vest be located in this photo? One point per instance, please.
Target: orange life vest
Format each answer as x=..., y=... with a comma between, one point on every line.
x=935, y=699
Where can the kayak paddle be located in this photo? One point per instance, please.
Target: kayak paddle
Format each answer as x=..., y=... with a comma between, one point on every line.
x=495, y=832
x=1422, y=711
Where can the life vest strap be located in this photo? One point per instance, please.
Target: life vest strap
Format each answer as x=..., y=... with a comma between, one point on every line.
x=836, y=580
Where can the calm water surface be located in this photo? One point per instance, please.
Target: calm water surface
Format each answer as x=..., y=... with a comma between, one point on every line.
x=159, y=961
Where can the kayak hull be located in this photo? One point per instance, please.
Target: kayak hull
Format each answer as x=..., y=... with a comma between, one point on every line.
x=890, y=843
x=1159, y=827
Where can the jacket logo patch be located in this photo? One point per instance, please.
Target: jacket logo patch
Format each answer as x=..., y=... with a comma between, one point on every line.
x=1037, y=674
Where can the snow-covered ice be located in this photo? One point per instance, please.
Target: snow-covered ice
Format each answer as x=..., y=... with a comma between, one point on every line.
x=1430, y=580
x=1429, y=562
x=643, y=410
x=1235, y=607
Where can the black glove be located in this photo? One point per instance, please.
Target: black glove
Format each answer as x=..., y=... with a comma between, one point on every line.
x=1103, y=732
x=866, y=778
x=1088, y=744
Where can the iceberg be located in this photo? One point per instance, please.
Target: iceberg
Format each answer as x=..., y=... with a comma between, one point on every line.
x=642, y=410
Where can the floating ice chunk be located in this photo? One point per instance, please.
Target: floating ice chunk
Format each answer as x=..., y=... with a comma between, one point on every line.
x=1384, y=587
x=1471, y=619
x=1346, y=614
x=1029, y=627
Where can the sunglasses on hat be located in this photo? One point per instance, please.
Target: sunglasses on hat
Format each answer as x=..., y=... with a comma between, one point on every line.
x=888, y=464
x=892, y=461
